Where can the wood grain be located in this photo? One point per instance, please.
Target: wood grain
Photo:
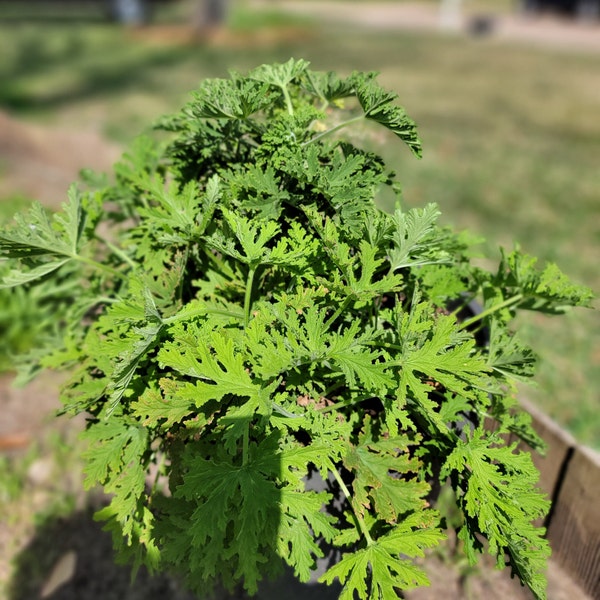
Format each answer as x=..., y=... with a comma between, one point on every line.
x=574, y=529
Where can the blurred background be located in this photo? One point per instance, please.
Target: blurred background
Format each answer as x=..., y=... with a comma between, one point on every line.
x=506, y=94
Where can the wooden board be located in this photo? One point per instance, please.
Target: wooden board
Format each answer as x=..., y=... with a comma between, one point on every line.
x=574, y=530
x=553, y=465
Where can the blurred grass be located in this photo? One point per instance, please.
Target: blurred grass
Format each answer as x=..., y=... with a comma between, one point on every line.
x=511, y=135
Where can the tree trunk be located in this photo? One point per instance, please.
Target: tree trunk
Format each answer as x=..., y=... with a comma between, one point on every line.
x=211, y=14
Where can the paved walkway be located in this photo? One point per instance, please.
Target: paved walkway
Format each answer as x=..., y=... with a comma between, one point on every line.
x=551, y=31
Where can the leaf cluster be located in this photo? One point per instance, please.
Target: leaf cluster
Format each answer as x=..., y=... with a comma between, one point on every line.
x=247, y=320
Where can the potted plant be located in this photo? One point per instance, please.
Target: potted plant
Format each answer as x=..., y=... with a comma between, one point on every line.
x=247, y=318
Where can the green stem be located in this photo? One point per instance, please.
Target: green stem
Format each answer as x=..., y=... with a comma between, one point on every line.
x=387, y=345
x=491, y=310
x=288, y=100
x=182, y=280
x=97, y=265
x=104, y=300
x=248, y=295
x=375, y=313
x=361, y=524
x=333, y=129
x=333, y=387
x=115, y=250
x=338, y=312
x=245, y=444
x=200, y=312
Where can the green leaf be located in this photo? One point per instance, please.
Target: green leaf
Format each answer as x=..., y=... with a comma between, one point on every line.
x=253, y=238
x=37, y=234
x=170, y=208
x=508, y=356
x=17, y=277
x=414, y=238
x=235, y=515
x=380, y=468
x=442, y=356
x=370, y=282
x=281, y=74
x=140, y=547
x=377, y=571
x=167, y=406
x=141, y=158
x=142, y=339
x=303, y=523
x=114, y=444
x=271, y=354
x=248, y=241
x=443, y=283
x=380, y=106
x=547, y=290
x=115, y=459
x=501, y=500
x=228, y=99
x=258, y=187
x=362, y=277
x=329, y=86
x=220, y=369
x=361, y=366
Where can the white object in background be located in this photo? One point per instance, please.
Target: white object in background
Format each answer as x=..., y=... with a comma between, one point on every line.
x=451, y=14
x=63, y=572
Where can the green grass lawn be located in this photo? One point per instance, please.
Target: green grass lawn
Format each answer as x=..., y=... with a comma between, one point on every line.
x=511, y=138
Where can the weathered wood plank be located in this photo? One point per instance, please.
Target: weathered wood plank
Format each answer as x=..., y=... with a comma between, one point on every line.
x=574, y=530
x=570, y=475
x=560, y=447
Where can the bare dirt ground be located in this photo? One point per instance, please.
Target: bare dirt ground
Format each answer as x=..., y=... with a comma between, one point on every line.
x=40, y=162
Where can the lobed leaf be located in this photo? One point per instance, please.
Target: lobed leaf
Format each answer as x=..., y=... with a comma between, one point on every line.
x=380, y=106
x=501, y=500
x=380, y=468
x=378, y=571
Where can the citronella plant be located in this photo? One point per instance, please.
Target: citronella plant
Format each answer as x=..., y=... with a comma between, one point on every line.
x=246, y=318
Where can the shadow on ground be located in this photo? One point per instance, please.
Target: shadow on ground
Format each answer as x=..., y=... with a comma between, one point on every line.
x=95, y=576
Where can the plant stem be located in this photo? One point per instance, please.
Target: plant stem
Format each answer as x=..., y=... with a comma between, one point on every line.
x=334, y=129
x=182, y=279
x=331, y=388
x=288, y=100
x=388, y=345
x=338, y=312
x=200, y=312
x=491, y=310
x=361, y=524
x=115, y=250
x=248, y=295
x=97, y=265
x=245, y=444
